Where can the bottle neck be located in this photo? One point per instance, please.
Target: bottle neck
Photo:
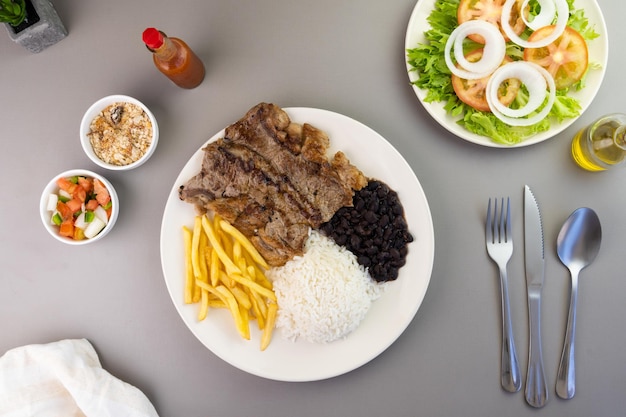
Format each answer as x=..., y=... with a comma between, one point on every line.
x=166, y=51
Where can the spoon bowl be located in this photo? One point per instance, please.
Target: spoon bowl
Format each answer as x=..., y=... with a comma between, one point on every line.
x=578, y=243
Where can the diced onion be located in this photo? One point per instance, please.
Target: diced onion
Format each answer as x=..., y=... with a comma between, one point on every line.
x=94, y=228
x=101, y=213
x=65, y=194
x=534, y=78
x=53, y=199
x=562, y=11
x=494, y=50
x=80, y=221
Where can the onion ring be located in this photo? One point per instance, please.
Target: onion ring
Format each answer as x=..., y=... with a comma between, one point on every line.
x=562, y=9
x=494, y=50
x=544, y=18
x=530, y=75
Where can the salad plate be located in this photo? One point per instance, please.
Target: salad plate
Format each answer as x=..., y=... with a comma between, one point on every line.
x=598, y=49
x=388, y=317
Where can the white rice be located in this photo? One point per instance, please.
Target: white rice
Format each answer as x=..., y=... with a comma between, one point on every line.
x=324, y=294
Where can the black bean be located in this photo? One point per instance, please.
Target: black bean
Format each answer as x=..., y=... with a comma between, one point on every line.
x=370, y=216
x=384, y=221
x=355, y=242
x=364, y=260
x=373, y=205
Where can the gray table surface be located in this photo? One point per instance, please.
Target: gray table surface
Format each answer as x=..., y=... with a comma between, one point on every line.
x=344, y=56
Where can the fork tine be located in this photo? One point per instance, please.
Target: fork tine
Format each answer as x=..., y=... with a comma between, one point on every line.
x=488, y=224
x=508, y=219
x=488, y=221
x=501, y=231
x=496, y=229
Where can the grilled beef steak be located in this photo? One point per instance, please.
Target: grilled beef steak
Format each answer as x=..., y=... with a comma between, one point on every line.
x=272, y=180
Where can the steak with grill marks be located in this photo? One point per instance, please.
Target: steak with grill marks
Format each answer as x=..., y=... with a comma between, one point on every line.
x=273, y=181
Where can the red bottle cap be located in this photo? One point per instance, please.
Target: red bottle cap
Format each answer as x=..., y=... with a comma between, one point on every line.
x=153, y=38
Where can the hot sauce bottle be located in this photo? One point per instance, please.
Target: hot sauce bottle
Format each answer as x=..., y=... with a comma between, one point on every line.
x=174, y=58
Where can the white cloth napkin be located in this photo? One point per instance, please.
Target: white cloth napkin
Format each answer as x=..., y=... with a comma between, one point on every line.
x=65, y=379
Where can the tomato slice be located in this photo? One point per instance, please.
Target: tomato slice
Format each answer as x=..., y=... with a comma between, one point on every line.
x=566, y=59
x=473, y=92
x=490, y=11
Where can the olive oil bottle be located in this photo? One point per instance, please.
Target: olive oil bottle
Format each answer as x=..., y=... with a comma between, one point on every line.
x=602, y=144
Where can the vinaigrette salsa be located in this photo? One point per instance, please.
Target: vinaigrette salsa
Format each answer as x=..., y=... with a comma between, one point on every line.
x=81, y=208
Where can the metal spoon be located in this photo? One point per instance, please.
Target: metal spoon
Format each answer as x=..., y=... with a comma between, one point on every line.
x=578, y=244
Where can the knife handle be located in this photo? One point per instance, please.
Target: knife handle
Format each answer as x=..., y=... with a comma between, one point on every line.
x=510, y=376
x=536, y=385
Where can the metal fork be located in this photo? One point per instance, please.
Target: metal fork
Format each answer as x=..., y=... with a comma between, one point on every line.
x=500, y=248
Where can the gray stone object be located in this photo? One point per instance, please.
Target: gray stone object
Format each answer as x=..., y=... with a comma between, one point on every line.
x=46, y=32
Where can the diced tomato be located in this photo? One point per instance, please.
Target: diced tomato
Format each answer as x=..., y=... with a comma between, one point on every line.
x=102, y=194
x=67, y=228
x=66, y=185
x=64, y=211
x=80, y=194
x=74, y=205
x=109, y=211
x=92, y=205
x=85, y=183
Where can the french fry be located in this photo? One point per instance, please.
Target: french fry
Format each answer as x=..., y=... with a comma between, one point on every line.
x=195, y=256
x=211, y=290
x=231, y=268
x=240, y=321
x=203, y=269
x=225, y=279
x=195, y=244
x=228, y=228
x=259, y=308
x=189, y=278
x=204, y=305
x=253, y=286
x=217, y=303
x=245, y=322
x=215, y=268
x=242, y=298
x=266, y=336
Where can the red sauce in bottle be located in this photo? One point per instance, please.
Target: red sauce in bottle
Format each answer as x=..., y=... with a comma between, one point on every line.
x=174, y=58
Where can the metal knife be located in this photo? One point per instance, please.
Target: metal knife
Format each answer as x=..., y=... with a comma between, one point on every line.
x=536, y=387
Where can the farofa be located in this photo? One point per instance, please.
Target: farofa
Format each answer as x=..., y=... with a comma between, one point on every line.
x=121, y=133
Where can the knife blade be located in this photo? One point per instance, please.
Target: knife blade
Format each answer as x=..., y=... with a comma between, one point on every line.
x=536, y=391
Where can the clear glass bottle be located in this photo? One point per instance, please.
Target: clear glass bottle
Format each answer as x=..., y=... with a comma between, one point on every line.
x=174, y=58
x=602, y=144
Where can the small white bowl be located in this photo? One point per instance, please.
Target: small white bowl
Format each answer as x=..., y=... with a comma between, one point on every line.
x=53, y=188
x=91, y=114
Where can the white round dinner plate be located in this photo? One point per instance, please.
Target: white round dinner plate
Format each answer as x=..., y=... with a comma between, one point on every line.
x=598, y=55
x=388, y=316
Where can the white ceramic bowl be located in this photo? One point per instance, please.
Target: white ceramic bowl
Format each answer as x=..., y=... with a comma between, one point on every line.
x=53, y=188
x=94, y=110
